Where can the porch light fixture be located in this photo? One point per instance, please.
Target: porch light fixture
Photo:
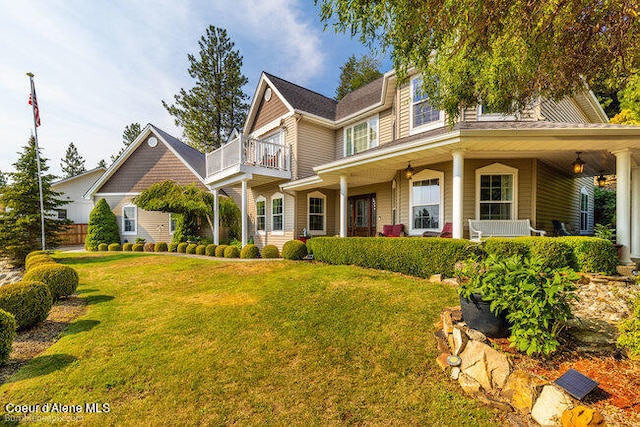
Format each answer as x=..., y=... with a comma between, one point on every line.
x=601, y=180
x=578, y=164
x=408, y=172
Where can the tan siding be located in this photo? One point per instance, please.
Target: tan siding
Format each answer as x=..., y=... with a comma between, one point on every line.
x=471, y=114
x=315, y=147
x=268, y=111
x=339, y=136
x=385, y=126
x=269, y=238
x=564, y=110
x=404, y=109
x=558, y=198
x=146, y=166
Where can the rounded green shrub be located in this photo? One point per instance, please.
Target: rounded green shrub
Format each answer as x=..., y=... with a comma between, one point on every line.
x=115, y=247
x=191, y=248
x=161, y=247
x=173, y=247
x=37, y=260
x=220, y=250
x=103, y=247
x=61, y=279
x=270, y=251
x=28, y=301
x=7, y=334
x=34, y=253
x=250, y=251
x=102, y=227
x=182, y=247
x=137, y=247
x=149, y=247
x=127, y=247
x=294, y=249
x=210, y=250
x=201, y=249
x=232, y=252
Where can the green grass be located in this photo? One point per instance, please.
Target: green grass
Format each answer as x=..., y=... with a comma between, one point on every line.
x=175, y=340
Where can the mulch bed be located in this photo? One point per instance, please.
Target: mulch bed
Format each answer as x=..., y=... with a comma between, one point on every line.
x=30, y=343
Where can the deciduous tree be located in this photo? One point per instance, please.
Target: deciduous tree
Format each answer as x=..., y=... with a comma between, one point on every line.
x=502, y=53
x=356, y=73
x=629, y=103
x=216, y=104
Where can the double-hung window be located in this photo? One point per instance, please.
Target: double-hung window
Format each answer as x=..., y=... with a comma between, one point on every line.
x=584, y=211
x=496, y=187
x=317, y=203
x=130, y=219
x=173, y=224
x=261, y=217
x=423, y=114
x=277, y=213
x=361, y=136
x=426, y=201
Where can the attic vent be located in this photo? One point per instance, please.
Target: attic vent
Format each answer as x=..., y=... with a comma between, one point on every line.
x=267, y=94
x=152, y=142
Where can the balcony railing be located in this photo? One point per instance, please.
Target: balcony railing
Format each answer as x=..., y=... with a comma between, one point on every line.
x=249, y=152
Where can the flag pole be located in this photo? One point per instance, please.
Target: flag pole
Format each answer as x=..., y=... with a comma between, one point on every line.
x=35, y=128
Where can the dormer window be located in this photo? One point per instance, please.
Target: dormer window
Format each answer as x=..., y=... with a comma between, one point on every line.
x=361, y=136
x=424, y=116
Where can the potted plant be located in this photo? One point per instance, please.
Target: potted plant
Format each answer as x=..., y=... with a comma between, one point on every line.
x=533, y=299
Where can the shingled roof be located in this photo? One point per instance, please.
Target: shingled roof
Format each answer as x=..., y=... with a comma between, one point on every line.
x=360, y=99
x=190, y=155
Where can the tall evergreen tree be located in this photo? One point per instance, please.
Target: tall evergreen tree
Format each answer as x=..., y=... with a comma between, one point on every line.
x=102, y=164
x=3, y=181
x=73, y=162
x=216, y=105
x=20, y=230
x=356, y=73
x=131, y=132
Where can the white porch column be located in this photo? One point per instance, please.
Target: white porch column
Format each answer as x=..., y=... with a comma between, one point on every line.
x=635, y=212
x=245, y=230
x=458, y=194
x=343, y=205
x=623, y=203
x=216, y=217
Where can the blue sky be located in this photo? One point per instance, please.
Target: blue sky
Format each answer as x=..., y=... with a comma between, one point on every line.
x=100, y=65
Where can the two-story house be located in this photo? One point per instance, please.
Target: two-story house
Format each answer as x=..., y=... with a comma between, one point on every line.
x=384, y=155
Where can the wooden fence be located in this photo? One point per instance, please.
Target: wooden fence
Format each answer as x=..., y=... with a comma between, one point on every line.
x=74, y=234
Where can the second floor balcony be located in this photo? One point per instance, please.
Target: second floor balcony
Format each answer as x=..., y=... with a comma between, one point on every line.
x=250, y=159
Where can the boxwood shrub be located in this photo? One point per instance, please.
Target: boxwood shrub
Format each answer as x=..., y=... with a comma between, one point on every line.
x=115, y=247
x=34, y=253
x=161, y=247
x=294, y=249
x=137, y=247
x=554, y=252
x=210, y=250
x=103, y=247
x=61, y=279
x=250, y=251
x=182, y=247
x=421, y=257
x=270, y=251
x=201, y=249
x=7, y=334
x=231, y=252
x=127, y=247
x=191, y=248
x=149, y=247
x=37, y=260
x=173, y=247
x=593, y=255
x=28, y=301
x=220, y=250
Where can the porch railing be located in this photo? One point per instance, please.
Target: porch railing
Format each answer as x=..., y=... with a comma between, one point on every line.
x=251, y=152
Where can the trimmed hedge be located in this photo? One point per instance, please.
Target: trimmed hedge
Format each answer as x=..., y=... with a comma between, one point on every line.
x=250, y=251
x=182, y=247
x=210, y=250
x=37, y=260
x=270, y=251
x=7, y=334
x=149, y=247
x=127, y=247
x=61, y=279
x=115, y=247
x=191, y=248
x=592, y=254
x=161, y=247
x=554, y=252
x=173, y=247
x=294, y=249
x=34, y=253
x=201, y=249
x=137, y=247
x=220, y=250
x=28, y=301
x=103, y=247
x=232, y=252
x=421, y=257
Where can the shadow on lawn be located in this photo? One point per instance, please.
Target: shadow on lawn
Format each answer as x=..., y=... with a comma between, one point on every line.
x=43, y=365
x=97, y=299
x=81, y=326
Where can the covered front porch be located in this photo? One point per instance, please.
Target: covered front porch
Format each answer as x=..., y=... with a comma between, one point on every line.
x=538, y=155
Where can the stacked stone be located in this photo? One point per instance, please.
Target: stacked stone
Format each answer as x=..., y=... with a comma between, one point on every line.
x=8, y=274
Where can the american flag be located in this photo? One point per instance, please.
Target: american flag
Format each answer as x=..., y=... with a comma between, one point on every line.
x=34, y=101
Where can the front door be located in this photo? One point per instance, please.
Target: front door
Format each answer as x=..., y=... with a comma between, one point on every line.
x=362, y=215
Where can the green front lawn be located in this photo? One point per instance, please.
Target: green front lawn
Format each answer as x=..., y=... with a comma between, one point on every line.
x=176, y=340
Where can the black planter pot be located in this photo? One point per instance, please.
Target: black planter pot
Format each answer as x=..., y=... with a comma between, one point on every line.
x=477, y=315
